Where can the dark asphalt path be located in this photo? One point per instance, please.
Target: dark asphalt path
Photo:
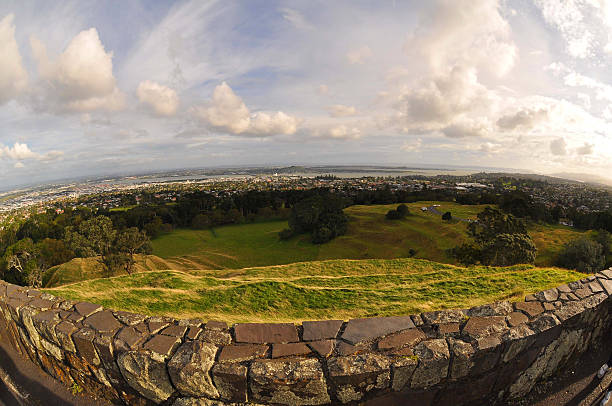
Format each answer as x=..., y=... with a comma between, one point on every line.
x=28, y=385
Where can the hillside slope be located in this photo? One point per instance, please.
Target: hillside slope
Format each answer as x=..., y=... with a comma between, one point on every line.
x=315, y=290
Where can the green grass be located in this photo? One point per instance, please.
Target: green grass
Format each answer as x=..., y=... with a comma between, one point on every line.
x=370, y=235
x=315, y=290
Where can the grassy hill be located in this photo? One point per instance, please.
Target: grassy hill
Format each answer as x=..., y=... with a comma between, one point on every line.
x=370, y=235
x=315, y=290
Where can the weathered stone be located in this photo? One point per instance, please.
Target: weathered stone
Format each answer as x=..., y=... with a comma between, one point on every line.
x=163, y=345
x=564, y=289
x=531, y=309
x=216, y=325
x=607, y=285
x=595, y=287
x=448, y=328
x=156, y=325
x=488, y=342
x=189, y=369
x=290, y=350
x=516, y=318
x=547, y=327
x=409, y=337
x=218, y=337
x=355, y=375
x=130, y=338
x=288, y=382
x=242, y=352
x=194, y=332
x=262, y=333
x=462, y=358
x=321, y=330
x=477, y=327
x=42, y=304
x=403, y=370
x=231, y=381
x=584, y=292
x=548, y=306
x=103, y=321
x=494, y=309
x=549, y=295
x=87, y=309
x=174, y=331
x=530, y=298
x=52, y=349
x=345, y=348
x=444, y=316
x=130, y=319
x=83, y=341
x=362, y=330
x=45, y=323
x=145, y=371
x=607, y=273
x=569, y=310
x=433, y=365
x=324, y=347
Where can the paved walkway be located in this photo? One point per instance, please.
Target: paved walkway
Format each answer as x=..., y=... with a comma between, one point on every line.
x=24, y=384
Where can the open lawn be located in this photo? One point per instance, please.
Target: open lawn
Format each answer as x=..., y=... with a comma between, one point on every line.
x=370, y=235
x=315, y=290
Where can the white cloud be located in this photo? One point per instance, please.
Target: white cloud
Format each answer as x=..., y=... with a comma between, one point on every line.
x=465, y=129
x=468, y=32
x=525, y=119
x=13, y=77
x=359, y=56
x=558, y=147
x=341, y=131
x=412, y=146
x=227, y=112
x=20, y=151
x=296, y=19
x=322, y=89
x=586, y=149
x=163, y=100
x=18, y=165
x=340, y=110
x=81, y=78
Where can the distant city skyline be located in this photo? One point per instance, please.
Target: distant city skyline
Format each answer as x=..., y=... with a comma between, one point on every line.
x=90, y=87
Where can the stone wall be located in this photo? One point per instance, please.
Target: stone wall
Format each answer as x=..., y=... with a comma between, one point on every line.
x=483, y=355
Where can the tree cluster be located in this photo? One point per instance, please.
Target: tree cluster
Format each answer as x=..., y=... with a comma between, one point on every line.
x=585, y=254
x=499, y=239
x=399, y=213
x=321, y=215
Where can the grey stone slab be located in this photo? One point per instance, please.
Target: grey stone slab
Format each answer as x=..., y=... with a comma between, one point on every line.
x=321, y=330
x=262, y=333
x=362, y=330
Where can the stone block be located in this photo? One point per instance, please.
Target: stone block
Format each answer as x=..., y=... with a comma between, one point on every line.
x=87, y=309
x=583, y=292
x=478, y=327
x=444, y=316
x=193, y=333
x=362, y=330
x=189, y=369
x=595, y=287
x=409, y=338
x=531, y=309
x=214, y=336
x=434, y=359
x=355, y=375
x=231, y=381
x=130, y=319
x=174, y=331
x=290, y=350
x=516, y=318
x=129, y=338
x=321, y=330
x=83, y=341
x=103, y=322
x=448, y=329
x=162, y=345
x=146, y=372
x=494, y=309
x=462, y=361
x=288, y=382
x=324, y=347
x=403, y=369
x=216, y=325
x=242, y=352
x=607, y=285
x=262, y=333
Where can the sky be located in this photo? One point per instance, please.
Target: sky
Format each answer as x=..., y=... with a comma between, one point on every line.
x=108, y=87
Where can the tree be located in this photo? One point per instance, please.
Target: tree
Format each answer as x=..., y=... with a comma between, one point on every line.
x=403, y=210
x=509, y=249
x=322, y=216
x=583, y=254
x=447, y=216
x=95, y=237
x=399, y=213
x=22, y=263
x=603, y=237
x=491, y=222
x=129, y=243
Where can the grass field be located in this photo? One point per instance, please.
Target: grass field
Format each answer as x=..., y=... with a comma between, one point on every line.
x=315, y=290
x=370, y=235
